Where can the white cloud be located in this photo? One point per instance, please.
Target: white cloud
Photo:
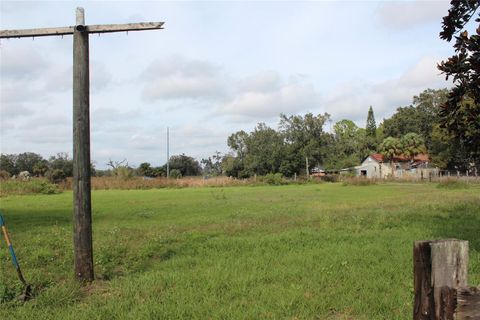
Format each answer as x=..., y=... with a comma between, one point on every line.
x=143, y=140
x=20, y=62
x=179, y=78
x=198, y=139
x=266, y=81
x=108, y=114
x=266, y=95
x=407, y=14
x=351, y=100
x=289, y=98
x=262, y=95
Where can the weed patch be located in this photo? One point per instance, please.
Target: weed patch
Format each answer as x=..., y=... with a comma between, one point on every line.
x=453, y=183
x=358, y=181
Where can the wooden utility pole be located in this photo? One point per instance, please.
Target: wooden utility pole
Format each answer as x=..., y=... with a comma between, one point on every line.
x=82, y=209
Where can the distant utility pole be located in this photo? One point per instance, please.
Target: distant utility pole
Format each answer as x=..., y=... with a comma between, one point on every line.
x=168, y=153
x=82, y=208
x=306, y=167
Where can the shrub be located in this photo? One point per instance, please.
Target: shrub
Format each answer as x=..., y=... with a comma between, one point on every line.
x=273, y=179
x=55, y=175
x=45, y=187
x=17, y=187
x=124, y=172
x=4, y=175
x=330, y=178
x=175, y=174
x=453, y=183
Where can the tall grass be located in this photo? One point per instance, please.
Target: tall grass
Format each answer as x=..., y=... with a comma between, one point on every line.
x=453, y=183
x=33, y=186
x=359, y=181
x=105, y=183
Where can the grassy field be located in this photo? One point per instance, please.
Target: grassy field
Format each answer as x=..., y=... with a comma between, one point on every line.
x=322, y=251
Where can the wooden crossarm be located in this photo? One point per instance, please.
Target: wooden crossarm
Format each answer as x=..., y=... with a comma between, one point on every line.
x=96, y=28
x=41, y=32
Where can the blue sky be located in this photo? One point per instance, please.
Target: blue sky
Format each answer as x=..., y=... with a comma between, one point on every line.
x=216, y=68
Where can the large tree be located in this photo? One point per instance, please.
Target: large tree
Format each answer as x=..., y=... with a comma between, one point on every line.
x=460, y=115
x=305, y=138
x=265, y=150
x=212, y=165
x=26, y=161
x=187, y=165
x=371, y=126
x=420, y=117
x=346, y=146
x=62, y=161
x=371, y=131
x=7, y=163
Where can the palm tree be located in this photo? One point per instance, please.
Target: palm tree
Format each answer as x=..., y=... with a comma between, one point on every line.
x=413, y=145
x=390, y=148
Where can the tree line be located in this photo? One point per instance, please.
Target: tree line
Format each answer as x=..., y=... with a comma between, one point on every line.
x=298, y=142
x=59, y=167
x=301, y=142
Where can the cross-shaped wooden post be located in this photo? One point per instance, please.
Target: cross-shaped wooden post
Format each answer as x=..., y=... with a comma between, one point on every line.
x=82, y=210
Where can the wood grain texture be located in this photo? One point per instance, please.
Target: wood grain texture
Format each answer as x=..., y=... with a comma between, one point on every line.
x=437, y=264
x=82, y=210
x=468, y=304
x=449, y=260
x=424, y=306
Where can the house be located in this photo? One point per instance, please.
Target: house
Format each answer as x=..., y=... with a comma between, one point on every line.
x=376, y=166
x=317, y=172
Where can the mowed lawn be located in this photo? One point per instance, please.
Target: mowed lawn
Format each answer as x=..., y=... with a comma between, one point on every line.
x=322, y=251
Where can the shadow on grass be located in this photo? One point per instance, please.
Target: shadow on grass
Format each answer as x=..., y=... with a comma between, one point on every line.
x=23, y=220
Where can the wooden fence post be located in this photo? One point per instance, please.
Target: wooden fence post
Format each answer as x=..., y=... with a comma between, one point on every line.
x=440, y=281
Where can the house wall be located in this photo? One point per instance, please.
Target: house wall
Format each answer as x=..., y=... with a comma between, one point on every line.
x=378, y=170
x=373, y=169
x=417, y=173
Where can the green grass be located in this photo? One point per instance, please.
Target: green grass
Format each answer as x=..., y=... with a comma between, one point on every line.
x=287, y=252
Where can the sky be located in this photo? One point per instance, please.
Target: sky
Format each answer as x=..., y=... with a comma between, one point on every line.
x=217, y=67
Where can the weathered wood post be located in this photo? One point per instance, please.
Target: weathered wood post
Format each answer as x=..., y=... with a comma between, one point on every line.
x=440, y=281
x=82, y=208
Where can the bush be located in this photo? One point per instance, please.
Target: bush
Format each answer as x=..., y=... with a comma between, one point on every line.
x=124, y=172
x=17, y=187
x=453, y=183
x=330, y=178
x=274, y=179
x=55, y=175
x=45, y=187
x=4, y=175
x=175, y=174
